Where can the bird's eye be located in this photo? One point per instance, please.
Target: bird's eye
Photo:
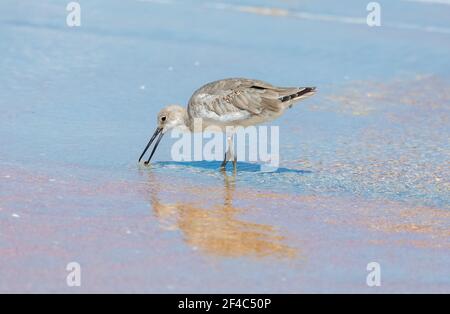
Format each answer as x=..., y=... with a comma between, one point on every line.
x=163, y=118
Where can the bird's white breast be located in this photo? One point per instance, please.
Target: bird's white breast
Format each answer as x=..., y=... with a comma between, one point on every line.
x=207, y=107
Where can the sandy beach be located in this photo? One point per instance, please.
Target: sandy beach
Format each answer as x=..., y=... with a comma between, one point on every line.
x=364, y=170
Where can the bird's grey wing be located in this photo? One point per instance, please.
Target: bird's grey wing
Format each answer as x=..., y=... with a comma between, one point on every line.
x=237, y=99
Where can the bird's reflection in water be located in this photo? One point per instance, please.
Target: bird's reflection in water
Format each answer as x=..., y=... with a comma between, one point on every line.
x=215, y=228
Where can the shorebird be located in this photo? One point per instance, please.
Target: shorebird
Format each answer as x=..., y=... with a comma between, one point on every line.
x=227, y=104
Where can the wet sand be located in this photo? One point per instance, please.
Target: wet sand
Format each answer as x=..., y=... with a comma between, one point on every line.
x=148, y=235
x=364, y=164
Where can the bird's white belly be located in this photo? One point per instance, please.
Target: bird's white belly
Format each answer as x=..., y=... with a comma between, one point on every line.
x=213, y=118
x=239, y=118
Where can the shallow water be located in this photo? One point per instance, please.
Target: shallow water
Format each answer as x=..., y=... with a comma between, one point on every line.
x=364, y=163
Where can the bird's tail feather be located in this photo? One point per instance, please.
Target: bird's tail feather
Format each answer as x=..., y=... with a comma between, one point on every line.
x=298, y=94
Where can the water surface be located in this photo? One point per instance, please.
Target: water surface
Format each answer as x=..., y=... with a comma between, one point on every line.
x=364, y=163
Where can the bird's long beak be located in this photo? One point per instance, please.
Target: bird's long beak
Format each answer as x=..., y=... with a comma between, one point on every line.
x=157, y=131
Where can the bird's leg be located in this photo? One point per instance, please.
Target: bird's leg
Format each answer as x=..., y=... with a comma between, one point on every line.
x=224, y=162
x=229, y=154
x=234, y=156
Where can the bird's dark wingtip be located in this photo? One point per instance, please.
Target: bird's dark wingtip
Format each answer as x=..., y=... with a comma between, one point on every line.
x=305, y=91
x=309, y=90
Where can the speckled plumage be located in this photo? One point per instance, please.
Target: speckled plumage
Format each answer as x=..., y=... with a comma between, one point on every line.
x=228, y=104
x=242, y=102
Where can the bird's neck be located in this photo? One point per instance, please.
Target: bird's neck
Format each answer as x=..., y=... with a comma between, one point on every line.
x=186, y=119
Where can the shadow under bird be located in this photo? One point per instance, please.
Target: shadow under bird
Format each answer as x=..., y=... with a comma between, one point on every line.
x=226, y=104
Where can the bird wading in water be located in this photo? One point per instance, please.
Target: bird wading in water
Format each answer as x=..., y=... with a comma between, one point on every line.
x=227, y=104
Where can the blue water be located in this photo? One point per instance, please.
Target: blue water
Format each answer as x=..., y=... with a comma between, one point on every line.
x=80, y=104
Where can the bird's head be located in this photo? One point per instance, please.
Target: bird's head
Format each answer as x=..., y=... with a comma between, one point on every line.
x=168, y=118
x=171, y=117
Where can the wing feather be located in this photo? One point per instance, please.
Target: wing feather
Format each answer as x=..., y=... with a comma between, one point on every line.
x=235, y=99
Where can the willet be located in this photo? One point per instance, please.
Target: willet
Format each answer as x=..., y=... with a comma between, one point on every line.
x=227, y=104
